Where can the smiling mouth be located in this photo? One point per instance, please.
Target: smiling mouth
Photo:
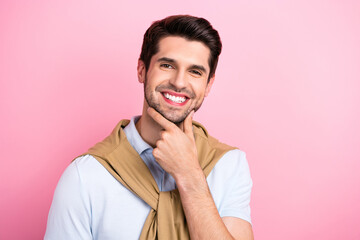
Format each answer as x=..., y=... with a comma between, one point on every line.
x=175, y=99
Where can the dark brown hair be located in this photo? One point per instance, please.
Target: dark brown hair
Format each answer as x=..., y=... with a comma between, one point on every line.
x=186, y=26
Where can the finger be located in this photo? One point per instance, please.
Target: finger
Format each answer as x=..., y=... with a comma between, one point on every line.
x=166, y=124
x=188, y=130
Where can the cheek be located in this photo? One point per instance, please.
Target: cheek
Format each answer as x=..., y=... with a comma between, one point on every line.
x=200, y=90
x=156, y=77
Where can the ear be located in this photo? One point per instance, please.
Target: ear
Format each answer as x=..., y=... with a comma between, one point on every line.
x=209, y=85
x=141, y=71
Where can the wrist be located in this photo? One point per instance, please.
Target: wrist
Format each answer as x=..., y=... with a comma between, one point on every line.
x=191, y=181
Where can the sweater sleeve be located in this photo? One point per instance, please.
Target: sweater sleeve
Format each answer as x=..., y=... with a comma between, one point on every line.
x=70, y=214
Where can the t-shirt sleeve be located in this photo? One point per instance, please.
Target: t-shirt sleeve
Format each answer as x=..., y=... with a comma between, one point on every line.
x=69, y=215
x=230, y=184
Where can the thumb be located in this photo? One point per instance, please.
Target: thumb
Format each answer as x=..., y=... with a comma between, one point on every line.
x=188, y=130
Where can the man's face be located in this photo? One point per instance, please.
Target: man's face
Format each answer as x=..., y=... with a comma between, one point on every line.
x=177, y=79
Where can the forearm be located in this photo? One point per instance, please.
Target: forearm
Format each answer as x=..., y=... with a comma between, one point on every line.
x=203, y=219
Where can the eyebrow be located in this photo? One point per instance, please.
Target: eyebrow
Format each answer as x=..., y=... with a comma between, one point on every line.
x=165, y=59
x=194, y=66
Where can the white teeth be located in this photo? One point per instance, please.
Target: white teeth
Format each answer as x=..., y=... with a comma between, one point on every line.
x=175, y=99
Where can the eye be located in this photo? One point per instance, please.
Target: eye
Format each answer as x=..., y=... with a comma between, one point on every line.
x=196, y=72
x=165, y=65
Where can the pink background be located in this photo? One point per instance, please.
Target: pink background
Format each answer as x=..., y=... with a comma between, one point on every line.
x=287, y=89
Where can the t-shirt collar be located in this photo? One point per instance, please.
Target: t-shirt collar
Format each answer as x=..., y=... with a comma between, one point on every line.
x=134, y=137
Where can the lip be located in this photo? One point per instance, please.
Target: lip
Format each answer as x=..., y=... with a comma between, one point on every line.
x=176, y=95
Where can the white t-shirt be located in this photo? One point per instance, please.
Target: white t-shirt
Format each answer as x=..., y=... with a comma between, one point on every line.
x=89, y=203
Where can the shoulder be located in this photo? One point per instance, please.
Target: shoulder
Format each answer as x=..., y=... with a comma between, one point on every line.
x=230, y=172
x=232, y=168
x=84, y=164
x=232, y=160
x=80, y=167
x=77, y=173
x=83, y=174
x=90, y=171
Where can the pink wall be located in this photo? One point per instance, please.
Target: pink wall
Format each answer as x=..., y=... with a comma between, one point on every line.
x=287, y=86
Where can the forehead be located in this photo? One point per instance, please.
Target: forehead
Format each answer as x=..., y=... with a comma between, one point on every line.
x=183, y=51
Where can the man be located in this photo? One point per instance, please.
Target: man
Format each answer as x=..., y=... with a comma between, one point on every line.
x=160, y=176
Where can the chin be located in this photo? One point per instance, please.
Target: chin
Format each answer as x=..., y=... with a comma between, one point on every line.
x=172, y=116
x=174, y=119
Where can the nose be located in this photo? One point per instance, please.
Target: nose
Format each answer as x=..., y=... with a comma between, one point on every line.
x=179, y=80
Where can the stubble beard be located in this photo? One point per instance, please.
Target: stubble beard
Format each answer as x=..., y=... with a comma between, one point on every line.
x=171, y=116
